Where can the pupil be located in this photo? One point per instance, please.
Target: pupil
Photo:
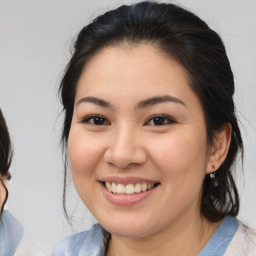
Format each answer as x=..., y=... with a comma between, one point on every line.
x=158, y=120
x=98, y=120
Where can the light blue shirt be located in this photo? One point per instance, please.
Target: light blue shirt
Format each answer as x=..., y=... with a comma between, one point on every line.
x=11, y=233
x=90, y=243
x=87, y=243
x=220, y=240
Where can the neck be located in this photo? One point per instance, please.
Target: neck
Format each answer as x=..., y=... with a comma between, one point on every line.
x=181, y=238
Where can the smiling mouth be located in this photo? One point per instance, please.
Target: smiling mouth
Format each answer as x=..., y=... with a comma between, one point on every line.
x=129, y=189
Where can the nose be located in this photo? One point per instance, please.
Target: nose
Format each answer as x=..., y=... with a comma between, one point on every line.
x=125, y=149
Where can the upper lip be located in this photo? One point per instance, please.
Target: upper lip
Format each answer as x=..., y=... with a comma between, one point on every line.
x=126, y=180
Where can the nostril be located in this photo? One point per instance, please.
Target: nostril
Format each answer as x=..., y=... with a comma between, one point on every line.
x=125, y=158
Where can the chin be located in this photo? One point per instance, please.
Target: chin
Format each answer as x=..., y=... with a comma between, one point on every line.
x=134, y=230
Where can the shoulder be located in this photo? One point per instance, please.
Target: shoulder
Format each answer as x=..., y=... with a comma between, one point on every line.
x=71, y=244
x=13, y=238
x=83, y=243
x=11, y=233
x=243, y=242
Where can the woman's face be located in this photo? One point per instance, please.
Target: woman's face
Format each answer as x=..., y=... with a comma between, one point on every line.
x=2, y=190
x=138, y=130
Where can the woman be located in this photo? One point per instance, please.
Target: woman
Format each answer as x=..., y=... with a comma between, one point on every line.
x=11, y=231
x=152, y=136
x=13, y=240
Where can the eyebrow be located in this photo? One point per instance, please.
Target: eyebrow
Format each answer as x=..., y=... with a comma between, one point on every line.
x=96, y=101
x=159, y=99
x=142, y=104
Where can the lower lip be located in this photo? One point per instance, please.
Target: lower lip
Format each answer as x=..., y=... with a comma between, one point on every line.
x=126, y=200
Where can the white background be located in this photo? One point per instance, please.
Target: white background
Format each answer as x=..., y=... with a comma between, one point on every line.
x=35, y=39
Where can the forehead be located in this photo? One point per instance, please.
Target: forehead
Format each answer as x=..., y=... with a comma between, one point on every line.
x=139, y=71
x=134, y=66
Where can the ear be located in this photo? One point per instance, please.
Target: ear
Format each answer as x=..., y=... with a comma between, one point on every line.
x=219, y=149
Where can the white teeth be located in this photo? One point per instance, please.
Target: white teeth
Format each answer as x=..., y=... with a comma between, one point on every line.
x=128, y=189
x=108, y=186
x=144, y=187
x=137, y=188
x=113, y=189
x=120, y=189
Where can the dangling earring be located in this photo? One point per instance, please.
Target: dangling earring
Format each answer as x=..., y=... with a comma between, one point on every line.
x=212, y=176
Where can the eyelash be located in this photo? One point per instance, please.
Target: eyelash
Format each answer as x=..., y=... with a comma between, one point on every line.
x=88, y=120
x=163, y=119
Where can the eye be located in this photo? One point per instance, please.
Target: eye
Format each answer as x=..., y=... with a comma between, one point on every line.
x=159, y=120
x=95, y=120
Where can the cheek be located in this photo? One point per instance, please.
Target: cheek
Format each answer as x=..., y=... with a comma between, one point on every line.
x=182, y=158
x=84, y=156
x=182, y=162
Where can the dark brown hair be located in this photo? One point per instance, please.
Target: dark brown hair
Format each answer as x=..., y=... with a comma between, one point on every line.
x=5, y=155
x=185, y=37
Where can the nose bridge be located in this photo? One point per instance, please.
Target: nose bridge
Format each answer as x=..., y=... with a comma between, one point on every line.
x=124, y=137
x=125, y=147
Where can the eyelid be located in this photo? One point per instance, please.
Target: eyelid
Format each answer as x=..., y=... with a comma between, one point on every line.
x=171, y=120
x=86, y=119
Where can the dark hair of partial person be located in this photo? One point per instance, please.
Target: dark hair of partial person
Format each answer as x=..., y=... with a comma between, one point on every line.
x=184, y=37
x=5, y=156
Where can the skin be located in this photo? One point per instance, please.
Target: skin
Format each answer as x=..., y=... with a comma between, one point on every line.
x=2, y=191
x=128, y=143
